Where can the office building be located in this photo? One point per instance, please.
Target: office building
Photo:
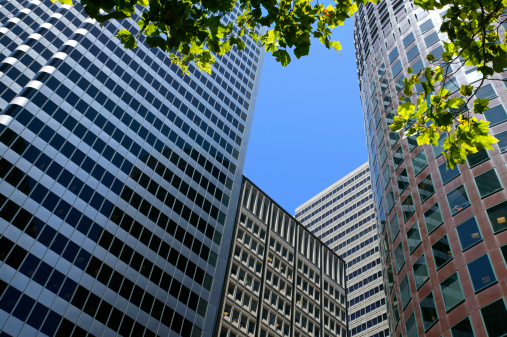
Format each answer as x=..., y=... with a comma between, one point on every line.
x=282, y=280
x=119, y=178
x=343, y=217
x=443, y=237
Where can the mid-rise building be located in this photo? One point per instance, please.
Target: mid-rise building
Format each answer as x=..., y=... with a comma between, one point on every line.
x=443, y=232
x=282, y=280
x=343, y=217
x=119, y=178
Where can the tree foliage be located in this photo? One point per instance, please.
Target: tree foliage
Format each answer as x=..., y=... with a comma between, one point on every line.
x=195, y=31
x=473, y=29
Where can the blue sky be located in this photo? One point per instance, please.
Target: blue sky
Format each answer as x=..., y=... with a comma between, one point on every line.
x=308, y=129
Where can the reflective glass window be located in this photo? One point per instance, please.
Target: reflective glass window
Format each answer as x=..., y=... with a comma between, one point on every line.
x=426, y=188
x=426, y=26
x=480, y=156
x=452, y=292
x=421, y=273
x=405, y=293
x=498, y=216
x=393, y=138
x=398, y=157
x=486, y=91
x=383, y=155
x=413, y=237
x=396, y=69
x=481, y=273
x=390, y=200
x=386, y=176
x=411, y=326
x=448, y=174
x=439, y=149
x=419, y=162
x=494, y=316
x=399, y=257
x=458, y=200
x=433, y=218
x=496, y=115
x=502, y=141
x=468, y=233
x=442, y=251
x=408, y=208
x=402, y=181
x=408, y=40
x=390, y=277
x=412, y=143
x=395, y=226
x=393, y=55
x=429, y=311
x=431, y=39
x=412, y=53
x=488, y=183
x=463, y=329
x=396, y=311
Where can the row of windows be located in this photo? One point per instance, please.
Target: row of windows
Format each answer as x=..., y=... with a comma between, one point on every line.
x=365, y=310
x=253, y=228
x=361, y=257
x=360, y=245
x=365, y=295
x=336, y=190
x=368, y=324
x=350, y=228
x=363, y=269
x=364, y=282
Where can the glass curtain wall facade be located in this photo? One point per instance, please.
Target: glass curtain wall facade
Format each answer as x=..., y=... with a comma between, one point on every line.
x=343, y=217
x=119, y=178
x=282, y=281
x=442, y=231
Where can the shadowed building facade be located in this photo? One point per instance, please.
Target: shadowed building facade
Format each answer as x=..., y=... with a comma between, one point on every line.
x=119, y=178
x=343, y=217
x=282, y=280
x=442, y=232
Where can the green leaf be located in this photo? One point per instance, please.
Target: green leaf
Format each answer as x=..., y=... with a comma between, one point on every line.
x=336, y=45
x=455, y=102
x=466, y=90
x=481, y=105
x=499, y=63
x=282, y=56
x=65, y=2
x=127, y=39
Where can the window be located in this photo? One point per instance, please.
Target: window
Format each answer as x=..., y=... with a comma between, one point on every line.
x=380, y=134
x=412, y=143
x=452, y=292
x=398, y=157
x=463, y=329
x=393, y=138
x=439, y=149
x=481, y=273
x=494, y=316
x=393, y=55
x=475, y=159
x=468, y=233
x=429, y=311
x=437, y=52
x=486, y=91
x=426, y=26
x=421, y=273
x=412, y=53
x=488, y=183
x=419, y=162
x=396, y=69
x=442, y=252
x=390, y=277
x=387, y=176
x=383, y=155
x=413, y=237
x=408, y=40
x=396, y=311
x=395, y=226
x=399, y=257
x=448, y=174
x=495, y=115
x=502, y=141
x=390, y=201
x=503, y=249
x=458, y=200
x=407, y=207
x=498, y=217
x=426, y=188
x=402, y=181
x=405, y=292
x=433, y=218
x=411, y=326
x=431, y=39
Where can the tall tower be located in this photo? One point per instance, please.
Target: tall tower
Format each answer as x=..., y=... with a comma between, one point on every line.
x=119, y=178
x=443, y=231
x=282, y=280
x=343, y=217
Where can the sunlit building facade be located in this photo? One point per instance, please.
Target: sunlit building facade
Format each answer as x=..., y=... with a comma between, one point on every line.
x=282, y=280
x=119, y=178
x=343, y=217
x=442, y=233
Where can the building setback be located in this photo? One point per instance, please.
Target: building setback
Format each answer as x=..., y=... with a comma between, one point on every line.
x=282, y=281
x=119, y=178
x=343, y=217
x=443, y=237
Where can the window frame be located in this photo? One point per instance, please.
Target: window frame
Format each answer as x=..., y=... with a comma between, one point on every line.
x=449, y=204
x=460, y=288
x=492, y=268
x=459, y=237
x=492, y=192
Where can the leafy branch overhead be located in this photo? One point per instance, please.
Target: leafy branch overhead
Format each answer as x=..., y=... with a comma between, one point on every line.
x=432, y=109
x=195, y=30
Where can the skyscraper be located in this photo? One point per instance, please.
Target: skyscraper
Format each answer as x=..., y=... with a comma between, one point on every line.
x=282, y=280
x=443, y=231
x=343, y=217
x=119, y=178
